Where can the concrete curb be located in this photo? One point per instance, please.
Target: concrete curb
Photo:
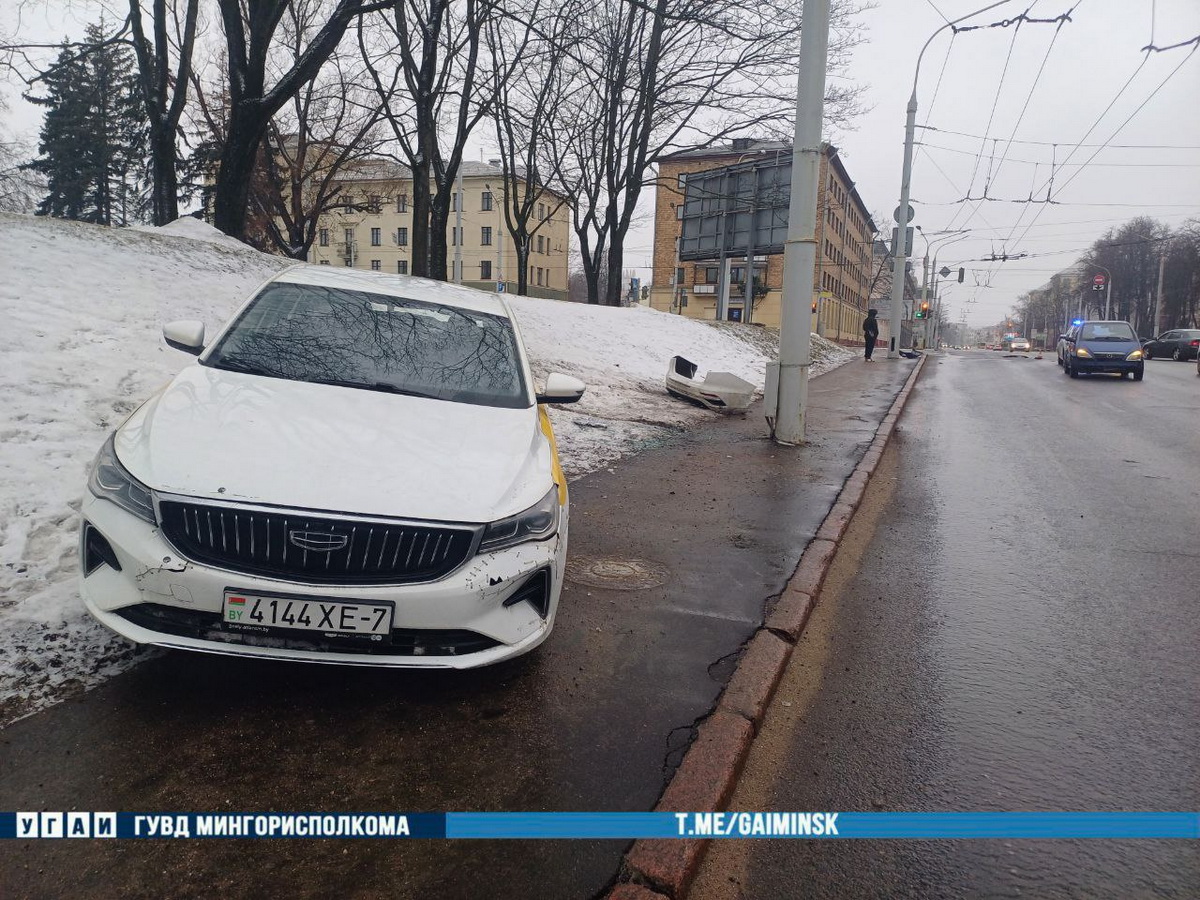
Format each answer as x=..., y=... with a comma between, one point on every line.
x=705, y=780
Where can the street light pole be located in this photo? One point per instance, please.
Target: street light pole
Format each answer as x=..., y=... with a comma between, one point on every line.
x=900, y=250
x=800, y=249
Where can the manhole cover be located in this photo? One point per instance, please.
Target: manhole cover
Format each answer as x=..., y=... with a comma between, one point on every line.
x=616, y=574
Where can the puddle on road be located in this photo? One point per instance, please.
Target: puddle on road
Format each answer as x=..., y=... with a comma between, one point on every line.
x=616, y=574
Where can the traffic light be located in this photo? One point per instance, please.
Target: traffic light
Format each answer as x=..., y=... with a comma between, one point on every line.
x=814, y=307
x=923, y=310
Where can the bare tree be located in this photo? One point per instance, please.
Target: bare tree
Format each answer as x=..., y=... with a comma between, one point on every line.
x=651, y=77
x=250, y=33
x=528, y=100
x=429, y=65
x=164, y=71
x=324, y=127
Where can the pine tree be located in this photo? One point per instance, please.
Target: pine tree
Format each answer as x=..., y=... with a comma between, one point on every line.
x=93, y=140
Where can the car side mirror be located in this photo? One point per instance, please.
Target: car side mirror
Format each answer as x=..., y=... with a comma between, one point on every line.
x=186, y=335
x=561, y=389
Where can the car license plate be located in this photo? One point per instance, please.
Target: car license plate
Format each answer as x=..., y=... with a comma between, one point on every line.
x=370, y=620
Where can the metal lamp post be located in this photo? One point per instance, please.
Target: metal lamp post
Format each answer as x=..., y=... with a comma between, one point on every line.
x=900, y=245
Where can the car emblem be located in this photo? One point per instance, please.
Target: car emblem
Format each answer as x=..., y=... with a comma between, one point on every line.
x=320, y=541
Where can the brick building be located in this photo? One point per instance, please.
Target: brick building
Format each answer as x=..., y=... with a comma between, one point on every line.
x=845, y=231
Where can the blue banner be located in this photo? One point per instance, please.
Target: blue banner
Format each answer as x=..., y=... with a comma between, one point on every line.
x=604, y=826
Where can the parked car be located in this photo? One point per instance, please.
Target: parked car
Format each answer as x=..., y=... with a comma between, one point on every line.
x=1180, y=344
x=1102, y=347
x=356, y=469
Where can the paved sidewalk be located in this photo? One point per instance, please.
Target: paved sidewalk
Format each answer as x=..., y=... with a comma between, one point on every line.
x=595, y=720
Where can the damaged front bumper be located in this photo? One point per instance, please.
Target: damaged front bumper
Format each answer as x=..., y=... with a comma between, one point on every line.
x=495, y=606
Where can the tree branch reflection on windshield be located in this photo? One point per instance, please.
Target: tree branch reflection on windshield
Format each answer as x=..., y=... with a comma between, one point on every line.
x=371, y=341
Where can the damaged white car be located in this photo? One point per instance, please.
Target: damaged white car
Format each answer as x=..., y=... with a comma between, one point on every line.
x=355, y=470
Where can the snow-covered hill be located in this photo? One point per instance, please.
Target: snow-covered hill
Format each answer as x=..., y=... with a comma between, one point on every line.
x=81, y=309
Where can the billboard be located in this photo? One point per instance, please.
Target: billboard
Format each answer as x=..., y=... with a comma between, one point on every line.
x=735, y=209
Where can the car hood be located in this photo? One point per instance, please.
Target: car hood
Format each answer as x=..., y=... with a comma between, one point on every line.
x=245, y=438
x=1110, y=346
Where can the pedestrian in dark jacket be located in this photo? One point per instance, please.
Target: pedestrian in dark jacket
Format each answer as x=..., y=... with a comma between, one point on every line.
x=870, y=332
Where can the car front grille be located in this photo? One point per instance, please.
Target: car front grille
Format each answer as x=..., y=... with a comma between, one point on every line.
x=298, y=547
x=206, y=626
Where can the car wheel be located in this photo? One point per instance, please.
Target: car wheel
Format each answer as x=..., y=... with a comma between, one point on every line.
x=1137, y=374
x=1146, y=353
x=1177, y=355
x=1071, y=370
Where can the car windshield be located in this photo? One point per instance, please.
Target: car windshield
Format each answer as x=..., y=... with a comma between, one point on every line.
x=375, y=342
x=1107, y=331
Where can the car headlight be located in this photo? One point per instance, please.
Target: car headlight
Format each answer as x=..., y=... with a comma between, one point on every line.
x=537, y=523
x=109, y=480
x=1083, y=351
x=1136, y=354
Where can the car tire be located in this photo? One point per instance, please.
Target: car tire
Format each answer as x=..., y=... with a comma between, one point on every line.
x=1177, y=355
x=1071, y=371
x=1147, y=354
x=1138, y=374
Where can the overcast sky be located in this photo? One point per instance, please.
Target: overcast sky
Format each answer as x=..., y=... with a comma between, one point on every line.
x=982, y=83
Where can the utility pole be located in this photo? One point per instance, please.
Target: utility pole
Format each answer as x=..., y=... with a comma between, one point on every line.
x=458, y=232
x=1162, y=266
x=800, y=250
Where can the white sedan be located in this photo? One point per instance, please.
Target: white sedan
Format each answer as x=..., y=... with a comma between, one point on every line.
x=356, y=469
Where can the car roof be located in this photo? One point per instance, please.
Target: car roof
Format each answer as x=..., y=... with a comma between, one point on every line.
x=405, y=286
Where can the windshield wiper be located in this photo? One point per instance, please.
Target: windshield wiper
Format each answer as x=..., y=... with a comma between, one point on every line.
x=233, y=365
x=384, y=387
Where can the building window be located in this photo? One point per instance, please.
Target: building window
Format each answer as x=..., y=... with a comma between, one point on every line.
x=679, y=276
x=349, y=236
x=539, y=275
x=347, y=205
x=541, y=212
x=349, y=262
x=547, y=278
x=323, y=237
x=710, y=275
x=376, y=237
x=402, y=237
x=541, y=244
x=455, y=234
x=402, y=267
x=324, y=262
x=485, y=270
x=374, y=203
x=485, y=236
x=402, y=203
x=376, y=265
x=454, y=202
x=485, y=202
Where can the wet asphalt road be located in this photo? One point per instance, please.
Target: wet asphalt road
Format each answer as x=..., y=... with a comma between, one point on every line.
x=1013, y=623
x=596, y=719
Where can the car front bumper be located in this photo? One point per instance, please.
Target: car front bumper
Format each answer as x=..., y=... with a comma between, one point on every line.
x=460, y=621
x=1106, y=366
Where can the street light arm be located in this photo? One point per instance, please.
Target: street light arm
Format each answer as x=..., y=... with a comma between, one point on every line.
x=949, y=24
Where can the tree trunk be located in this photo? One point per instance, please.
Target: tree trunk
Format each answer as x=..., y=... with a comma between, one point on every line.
x=232, y=195
x=615, y=265
x=164, y=190
x=522, y=246
x=439, y=219
x=420, y=219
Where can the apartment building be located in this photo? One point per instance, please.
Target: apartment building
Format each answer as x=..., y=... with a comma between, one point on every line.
x=373, y=229
x=842, y=274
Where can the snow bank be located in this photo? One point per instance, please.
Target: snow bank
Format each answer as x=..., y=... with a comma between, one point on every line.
x=81, y=346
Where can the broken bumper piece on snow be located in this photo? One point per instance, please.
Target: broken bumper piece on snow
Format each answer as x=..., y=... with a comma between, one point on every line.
x=716, y=390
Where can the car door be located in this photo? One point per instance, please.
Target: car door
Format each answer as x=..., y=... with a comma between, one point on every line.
x=1157, y=347
x=1170, y=343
